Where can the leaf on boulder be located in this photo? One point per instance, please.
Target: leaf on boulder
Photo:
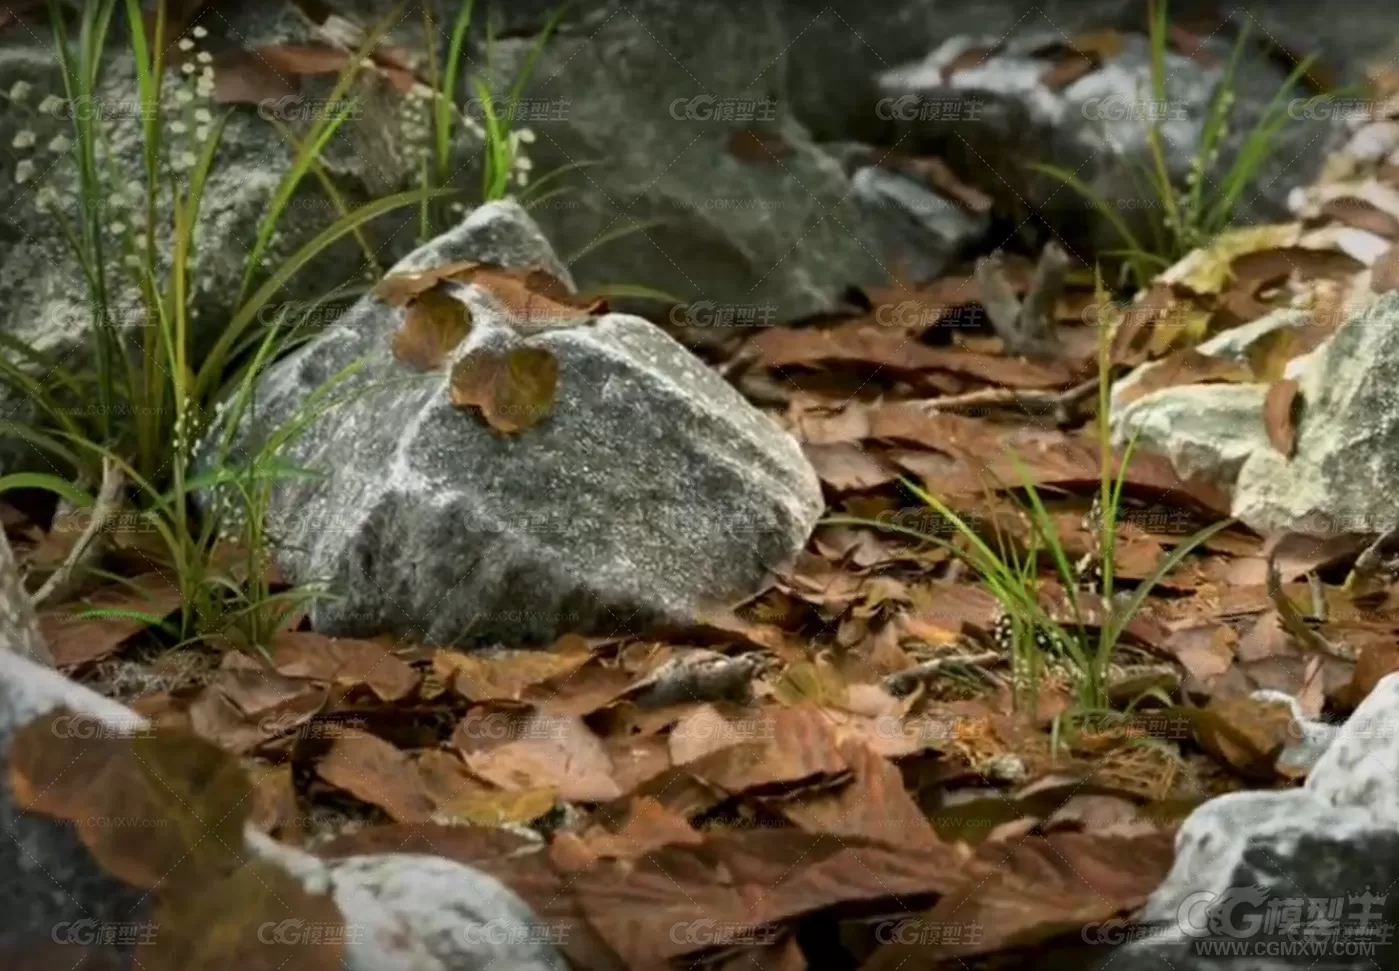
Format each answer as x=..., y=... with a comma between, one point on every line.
x=1384, y=275
x=1206, y=270
x=1279, y=415
x=434, y=323
x=513, y=391
x=1187, y=366
x=1248, y=735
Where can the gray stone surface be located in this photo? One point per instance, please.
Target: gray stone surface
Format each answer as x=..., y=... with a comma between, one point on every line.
x=918, y=230
x=1331, y=847
x=51, y=889
x=1347, y=456
x=654, y=102
x=651, y=488
x=413, y=912
x=1204, y=429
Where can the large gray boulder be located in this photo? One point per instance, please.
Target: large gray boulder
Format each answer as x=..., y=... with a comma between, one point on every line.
x=651, y=490
x=1290, y=879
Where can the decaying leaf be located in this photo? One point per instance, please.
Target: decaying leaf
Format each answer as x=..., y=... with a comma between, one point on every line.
x=1247, y=734
x=1186, y=366
x=434, y=323
x=1207, y=270
x=1279, y=415
x=548, y=752
x=513, y=391
x=74, y=638
x=376, y=772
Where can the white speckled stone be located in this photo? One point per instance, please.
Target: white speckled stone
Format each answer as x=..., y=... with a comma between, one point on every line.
x=651, y=489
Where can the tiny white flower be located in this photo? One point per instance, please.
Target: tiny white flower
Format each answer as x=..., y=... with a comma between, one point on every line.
x=187, y=67
x=23, y=139
x=204, y=88
x=24, y=171
x=199, y=32
x=47, y=196
x=186, y=44
x=521, y=178
x=178, y=127
x=202, y=116
x=202, y=132
x=207, y=72
x=50, y=104
x=204, y=57
x=523, y=163
x=117, y=228
x=526, y=135
x=184, y=97
x=59, y=144
x=19, y=91
x=132, y=260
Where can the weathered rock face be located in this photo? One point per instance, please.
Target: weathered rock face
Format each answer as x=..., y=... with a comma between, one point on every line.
x=652, y=487
x=1342, y=476
x=1290, y=879
x=698, y=158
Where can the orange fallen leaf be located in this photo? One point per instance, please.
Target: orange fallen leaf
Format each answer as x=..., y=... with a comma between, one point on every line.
x=513, y=391
x=434, y=323
x=550, y=752
x=373, y=771
x=76, y=639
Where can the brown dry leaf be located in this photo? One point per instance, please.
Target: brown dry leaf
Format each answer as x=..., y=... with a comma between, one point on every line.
x=790, y=747
x=434, y=323
x=253, y=917
x=1187, y=366
x=344, y=661
x=273, y=797
x=549, y=751
x=533, y=299
x=1268, y=356
x=747, y=880
x=186, y=800
x=1206, y=270
x=874, y=804
x=1066, y=72
x=1279, y=417
x=74, y=639
x=514, y=391
x=505, y=676
x=1384, y=275
x=758, y=146
x=399, y=289
x=1206, y=652
x=648, y=826
x=373, y=771
x=863, y=343
x=247, y=705
x=818, y=682
x=242, y=77
x=849, y=467
x=706, y=730
x=1247, y=734
x=481, y=805
x=1362, y=215
x=1029, y=890
x=1375, y=661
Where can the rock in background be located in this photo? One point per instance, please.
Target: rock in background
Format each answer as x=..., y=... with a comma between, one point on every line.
x=651, y=490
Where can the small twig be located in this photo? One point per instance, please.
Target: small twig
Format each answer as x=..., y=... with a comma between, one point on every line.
x=698, y=676
x=1063, y=405
x=19, y=625
x=902, y=682
x=1294, y=624
x=108, y=500
x=1027, y=329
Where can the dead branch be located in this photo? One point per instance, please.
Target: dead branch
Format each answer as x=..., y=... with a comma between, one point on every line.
x=1066, y=406
x=700, y=676
x=1027, y=329
x=19, y=625
x=902, y=682
x=108, y=501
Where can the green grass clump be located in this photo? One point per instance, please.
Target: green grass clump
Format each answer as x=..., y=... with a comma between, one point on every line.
x=1185, y=219
x=1012, y=578
x=167, y=405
